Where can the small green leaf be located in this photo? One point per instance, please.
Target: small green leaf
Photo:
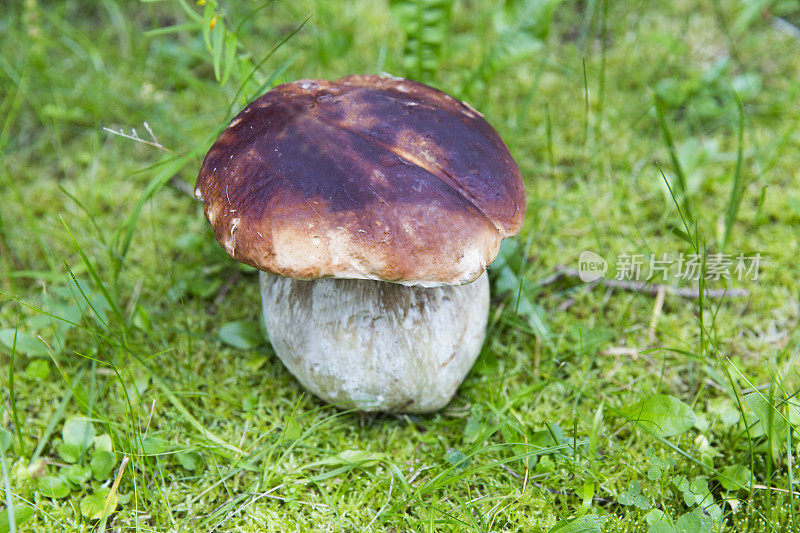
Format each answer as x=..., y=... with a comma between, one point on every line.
x=79, y=474
x=22, y=513
x=353, y=457
x=655, y=516
x=38, y=369
x=726, y=410
x=93, y=504
x=772, y=421
x=681, y=483
x=242, y=335
x=136, y=388
x=52, y=487
x=217, y=43
x=189, y=26
x=505, y=280
x=230, y=56
x=78, y=431
x=69, y=452
x=155, y=446
x=548, y=438
x=473, y=426
x=702, y=424
x=189, y=460
x=633, y=496
x=456, y=458
x=696, y=492
x=584, y=524
x=534, y=314
x=658, y=462
x=661, y=527
x=255, y=363
x=735, y=478
x=664, y=415
x=208, y=14
x=201, y=286
x=699, y=486
x=26, y=343
x=690, y=523
x=794, y=414
x=641, y=502
x=141, y=319
x=103, y=443
x=714, y=511
x=346, y=461
x=588, y=341
x=751, y=421
x=682, y=235
x=250, y=402
x=102, y=464
x=654, y=473
x=5, y=440
x=291, y=429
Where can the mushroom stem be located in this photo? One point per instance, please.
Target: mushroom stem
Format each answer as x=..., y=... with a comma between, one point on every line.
x=373, y=345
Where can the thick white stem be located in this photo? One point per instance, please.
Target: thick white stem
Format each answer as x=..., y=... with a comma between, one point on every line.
x=373, y=345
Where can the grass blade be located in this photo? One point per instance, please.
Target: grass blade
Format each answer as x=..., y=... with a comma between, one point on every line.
x=168, y=169
x=737, y=187
x=178, y=404
x=12, y=397
x=683, y=191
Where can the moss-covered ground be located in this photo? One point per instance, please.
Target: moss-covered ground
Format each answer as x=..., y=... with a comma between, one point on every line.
x=663, y=129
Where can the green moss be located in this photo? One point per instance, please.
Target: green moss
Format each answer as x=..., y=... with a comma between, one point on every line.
x=142, y=358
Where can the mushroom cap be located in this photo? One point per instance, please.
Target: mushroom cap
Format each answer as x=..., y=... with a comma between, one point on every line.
x=365, y=177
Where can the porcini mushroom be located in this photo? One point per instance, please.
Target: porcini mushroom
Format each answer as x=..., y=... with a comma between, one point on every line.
x=372, y=206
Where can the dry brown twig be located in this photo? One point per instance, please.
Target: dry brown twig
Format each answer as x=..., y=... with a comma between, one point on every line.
x=135, y=137
x=657, y=307
x=174, y=182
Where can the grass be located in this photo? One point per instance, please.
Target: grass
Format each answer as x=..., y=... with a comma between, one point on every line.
x=589, y=409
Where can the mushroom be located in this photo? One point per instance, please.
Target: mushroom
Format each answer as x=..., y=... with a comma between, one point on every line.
x=372, y=206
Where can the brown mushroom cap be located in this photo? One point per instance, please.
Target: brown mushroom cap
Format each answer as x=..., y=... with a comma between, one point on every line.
x=364, y=177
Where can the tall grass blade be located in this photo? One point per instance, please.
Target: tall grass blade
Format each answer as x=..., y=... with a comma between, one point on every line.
x=737, y=187
x=683, y=191
x=12, y=399
x=167, y=170
x=258, y=66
